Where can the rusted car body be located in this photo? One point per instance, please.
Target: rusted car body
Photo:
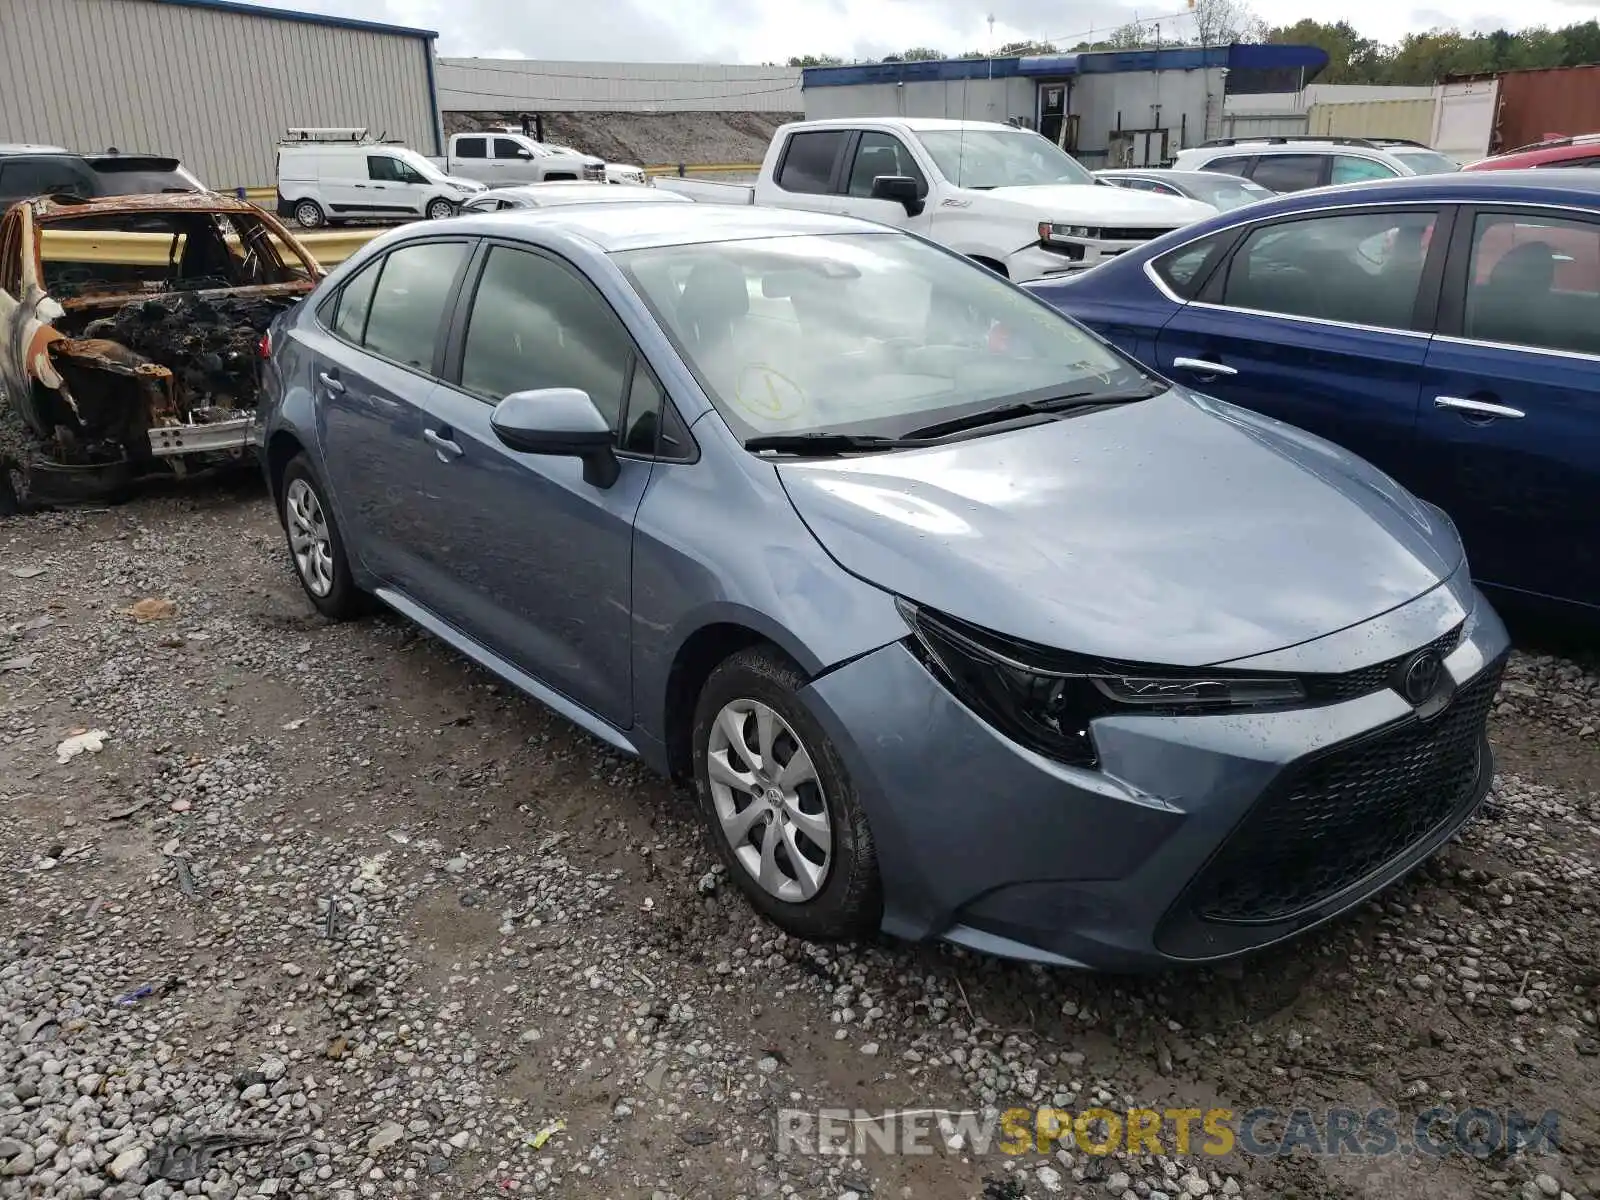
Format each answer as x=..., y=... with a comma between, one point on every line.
x=122, y=357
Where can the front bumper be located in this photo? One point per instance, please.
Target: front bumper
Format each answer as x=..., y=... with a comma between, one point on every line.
x=1036, y=262
x=1199, y=838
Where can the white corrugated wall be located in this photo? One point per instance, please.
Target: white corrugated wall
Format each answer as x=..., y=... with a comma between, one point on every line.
x=214, y=88
x=510, y=84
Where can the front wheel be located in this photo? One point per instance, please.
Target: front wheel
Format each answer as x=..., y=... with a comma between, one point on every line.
x=438, y=210
x=778, y=804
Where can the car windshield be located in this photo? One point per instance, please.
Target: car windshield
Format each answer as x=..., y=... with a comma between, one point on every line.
x=868, y=333
x=991, y=158
x=1229, y=193
x=421, y=165
x=1426, y=162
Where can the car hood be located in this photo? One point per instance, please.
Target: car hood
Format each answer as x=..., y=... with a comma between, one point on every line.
x=1098, y=204
x=1177, y=530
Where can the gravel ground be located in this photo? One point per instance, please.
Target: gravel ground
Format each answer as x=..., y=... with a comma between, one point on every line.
x=330, y=912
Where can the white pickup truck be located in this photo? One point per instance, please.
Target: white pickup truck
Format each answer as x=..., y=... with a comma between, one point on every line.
x=1006, y=197
x=498, y=158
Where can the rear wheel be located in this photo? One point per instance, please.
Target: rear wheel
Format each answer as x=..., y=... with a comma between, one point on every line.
x=316, y=546
x=439, y=209
x=308, y=214
x=778, y=804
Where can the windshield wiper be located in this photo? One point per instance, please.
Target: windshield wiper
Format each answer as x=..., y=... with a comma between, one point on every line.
x=1030, y=408
x=829, y=443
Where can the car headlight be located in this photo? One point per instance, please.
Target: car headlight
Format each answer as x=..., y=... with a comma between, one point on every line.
x=1046, y=699
x=1049, y=231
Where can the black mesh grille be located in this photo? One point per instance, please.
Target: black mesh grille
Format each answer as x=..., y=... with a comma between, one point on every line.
x=1120, y=233
x=1344, y=815
x=1333, y=688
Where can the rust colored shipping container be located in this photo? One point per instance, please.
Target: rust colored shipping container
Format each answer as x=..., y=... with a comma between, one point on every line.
x=1537, y=104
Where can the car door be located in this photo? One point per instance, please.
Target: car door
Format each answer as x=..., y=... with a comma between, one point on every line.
x=1289, y=172
x=874, y=153
x=1320, y=320
x=377, y=352
x=1510, y=422
x=388, y=189
x=522, y=554
x=808, y=168
x=469, y=158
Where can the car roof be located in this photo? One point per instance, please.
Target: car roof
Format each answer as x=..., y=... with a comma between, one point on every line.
x=614, y=227
x=582, y=192
x=1528, y=186
x=1245, y=146
x=52, y=208
x=10, y=148
x=914, y=124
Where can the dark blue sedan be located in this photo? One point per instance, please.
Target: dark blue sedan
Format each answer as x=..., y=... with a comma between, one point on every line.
x=1446, y=328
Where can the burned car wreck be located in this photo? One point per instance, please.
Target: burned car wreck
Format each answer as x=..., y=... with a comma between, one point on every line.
x=129, y=335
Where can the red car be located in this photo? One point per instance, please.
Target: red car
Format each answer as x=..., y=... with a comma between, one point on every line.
x=1580, y=151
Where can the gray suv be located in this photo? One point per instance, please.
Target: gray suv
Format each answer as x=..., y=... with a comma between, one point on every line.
x=1295, y=163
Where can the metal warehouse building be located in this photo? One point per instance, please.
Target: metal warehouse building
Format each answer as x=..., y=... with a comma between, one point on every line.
x=1118, y=107
x=213, y=82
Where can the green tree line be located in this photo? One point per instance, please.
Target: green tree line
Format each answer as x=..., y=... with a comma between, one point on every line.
x=1416, y=59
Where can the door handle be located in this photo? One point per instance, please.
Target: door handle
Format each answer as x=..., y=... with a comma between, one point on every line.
x=445, y=448
x=331, y=383
x=1202, y=367
x=1477, y=408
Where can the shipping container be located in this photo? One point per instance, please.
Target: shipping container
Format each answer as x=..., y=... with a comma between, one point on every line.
x=1536, y=104
x=1411, y=119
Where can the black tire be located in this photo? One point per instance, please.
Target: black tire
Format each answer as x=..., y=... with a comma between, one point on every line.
x=342, y=600
x=308, y=214
x=849, y=902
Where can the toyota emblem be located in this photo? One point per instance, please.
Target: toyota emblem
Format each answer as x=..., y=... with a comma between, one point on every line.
x=1420, y=678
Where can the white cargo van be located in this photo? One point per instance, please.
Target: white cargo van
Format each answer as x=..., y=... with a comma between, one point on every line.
x=331, y=175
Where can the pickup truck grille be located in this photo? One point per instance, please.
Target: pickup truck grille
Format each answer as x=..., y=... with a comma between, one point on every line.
x=1118, y=233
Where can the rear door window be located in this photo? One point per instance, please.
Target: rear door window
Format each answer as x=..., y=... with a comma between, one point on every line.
x=1185, y=269
x=1347, y=168
x=471, y=147
x=1356, y=268
x=1289, y=172
x=809, y=159
x=44, y=177
x=408, y=303
x=1534, y=280
x=1232, y=164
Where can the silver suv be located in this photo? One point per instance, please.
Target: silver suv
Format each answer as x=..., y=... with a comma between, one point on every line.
x=1294, y=163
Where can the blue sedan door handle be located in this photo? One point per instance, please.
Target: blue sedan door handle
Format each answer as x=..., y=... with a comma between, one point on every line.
x=1202, y=367
x=1477, y=408
x=446, y=449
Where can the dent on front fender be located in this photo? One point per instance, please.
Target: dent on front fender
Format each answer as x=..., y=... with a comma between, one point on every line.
x=719, y=543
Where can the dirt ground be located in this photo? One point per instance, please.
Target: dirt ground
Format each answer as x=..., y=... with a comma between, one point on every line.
x=431, y=939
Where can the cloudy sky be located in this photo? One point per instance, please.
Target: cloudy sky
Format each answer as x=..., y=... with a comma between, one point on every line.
x=753, y=31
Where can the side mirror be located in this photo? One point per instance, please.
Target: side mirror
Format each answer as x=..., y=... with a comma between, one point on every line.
x=559, y=421
x=902, y=189
x=524, y=153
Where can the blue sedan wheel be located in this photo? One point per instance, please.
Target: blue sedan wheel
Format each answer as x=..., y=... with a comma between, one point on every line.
x=779, y=807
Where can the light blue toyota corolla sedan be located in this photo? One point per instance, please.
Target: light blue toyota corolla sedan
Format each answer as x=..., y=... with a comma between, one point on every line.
x=962, y=624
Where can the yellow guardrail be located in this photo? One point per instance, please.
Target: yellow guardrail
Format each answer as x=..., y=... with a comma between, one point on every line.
x=704, y=169
x=155, y=249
